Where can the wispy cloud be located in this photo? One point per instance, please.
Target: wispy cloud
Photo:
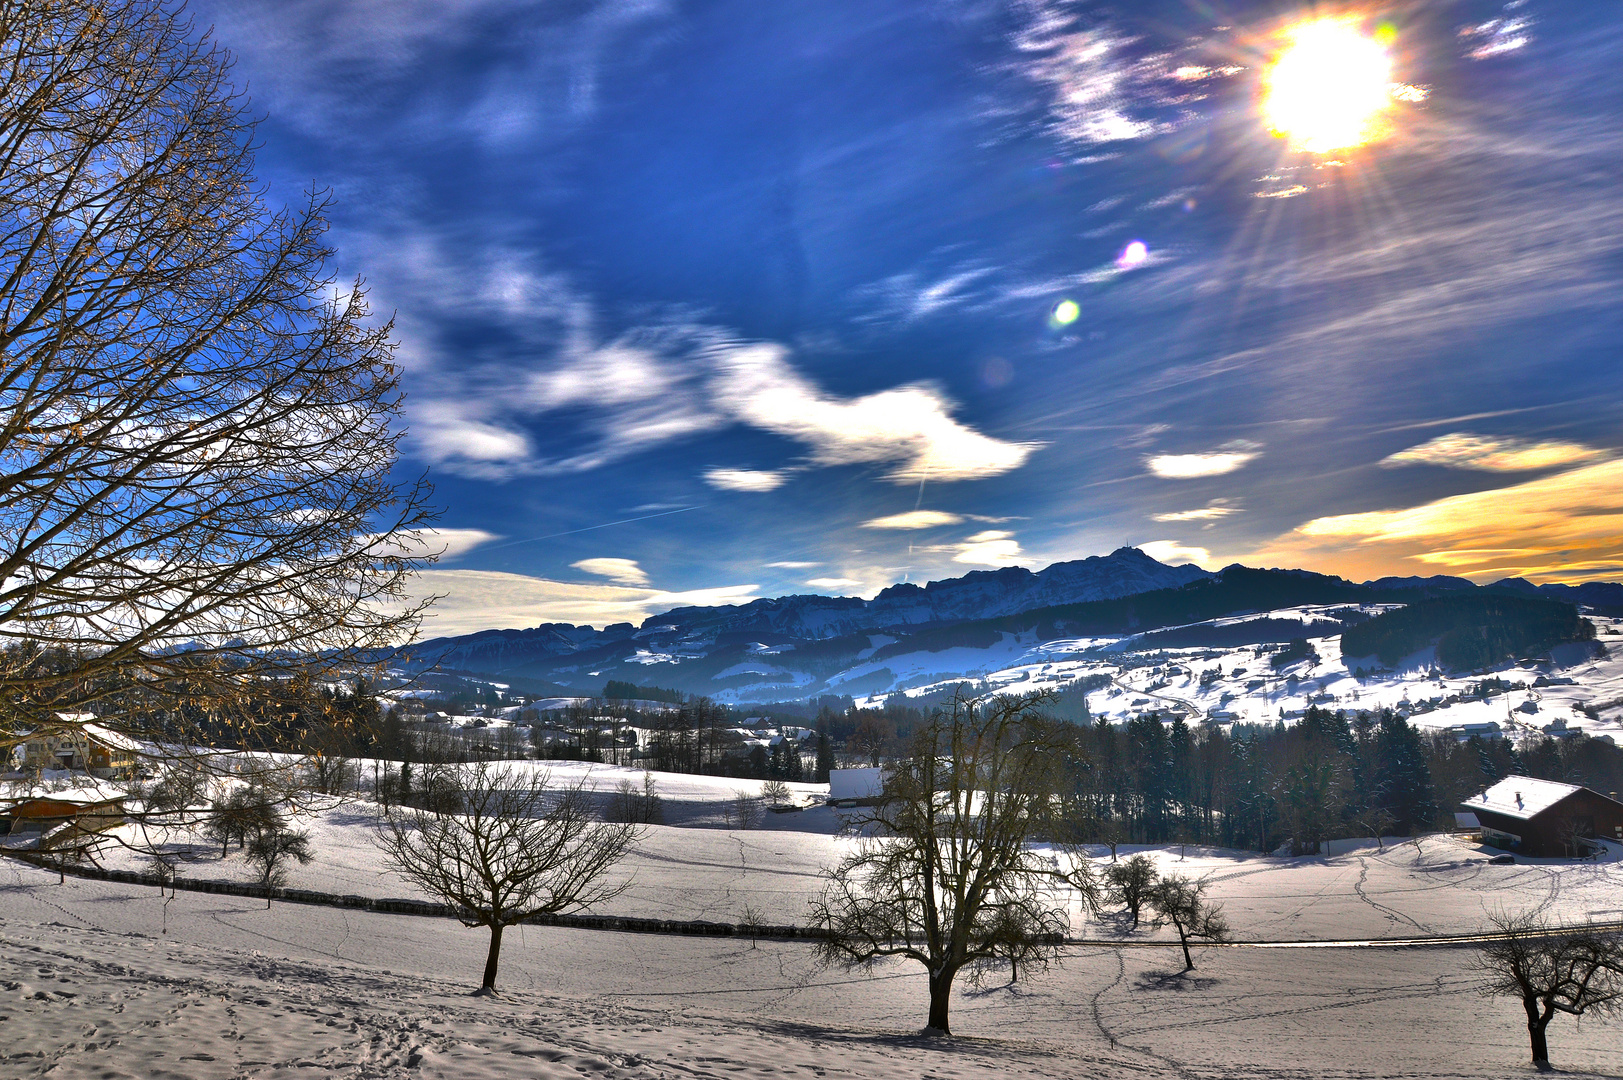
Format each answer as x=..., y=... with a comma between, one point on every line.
x=1493, y=454
x=745, y=479
x=1225, y=459
x=620, y=571
x=1217, y=508
x=992, y=547
x=1171, y=551
x=832, y=582
x=914, y=519
x=546, y=83
x=655, y=385
x=1094, y=84
x=791, y=565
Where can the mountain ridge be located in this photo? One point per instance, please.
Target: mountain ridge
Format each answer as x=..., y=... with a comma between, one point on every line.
x=794, y=645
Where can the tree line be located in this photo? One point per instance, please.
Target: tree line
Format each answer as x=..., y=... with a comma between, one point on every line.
x=1328, y=776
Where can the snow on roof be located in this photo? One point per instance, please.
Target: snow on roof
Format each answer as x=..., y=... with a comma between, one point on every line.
x=79, y=792
x=82, y=723
x=108, y=737
x=1521, y=796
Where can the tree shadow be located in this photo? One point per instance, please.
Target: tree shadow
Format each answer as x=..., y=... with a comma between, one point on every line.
x=960, y=1045
x=1119, y=923
x=1175, y=980
x=990, y=986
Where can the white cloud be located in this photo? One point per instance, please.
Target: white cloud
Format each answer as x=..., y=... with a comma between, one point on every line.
x=909, y=428
x=744, y=479
x=620, y=571
x=443, y=543
x=660, y=384
x=1458, y=450
x=443, y=432
x=472, y=600
x=832, y=582
x=794, y=565
x=1217, y=508
x=1225, y=459
x=990, y=548
x=1171, y=551
x=914, y=519
x=453, y=542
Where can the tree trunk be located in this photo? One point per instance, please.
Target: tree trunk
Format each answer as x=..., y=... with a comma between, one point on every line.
x=940, y=994
x=1183, y=940
x=492, y=959
x=1535, y=1033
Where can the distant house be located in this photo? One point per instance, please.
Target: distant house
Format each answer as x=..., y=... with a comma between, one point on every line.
x=81, y=745
x=56, y=818
x=1487, y=729
x=1545, y=818
x=855, y=785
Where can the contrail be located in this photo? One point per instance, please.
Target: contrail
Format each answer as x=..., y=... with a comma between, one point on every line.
x=589, y=528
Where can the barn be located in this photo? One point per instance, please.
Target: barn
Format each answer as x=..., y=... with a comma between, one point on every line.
x=1543, y=818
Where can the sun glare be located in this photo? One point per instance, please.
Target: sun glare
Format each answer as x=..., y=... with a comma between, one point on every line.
x=1329, y=87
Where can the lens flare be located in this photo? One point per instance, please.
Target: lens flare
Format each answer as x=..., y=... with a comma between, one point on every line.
x=1133, y=255
x=1066, y=312
x=1330, y=87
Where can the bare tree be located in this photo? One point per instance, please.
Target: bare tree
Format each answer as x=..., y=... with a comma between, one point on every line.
x=243, y=814
x=946, y=877
x=196, y=437
x=1129, y=883
x=742, y=811
x=635, y=806
x=272, y=852
x=515, y=850
x=1549, y=970
x=1182, y=902
x=775, y=792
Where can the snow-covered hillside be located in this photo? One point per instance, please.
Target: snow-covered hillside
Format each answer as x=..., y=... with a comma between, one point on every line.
x=1243, y=684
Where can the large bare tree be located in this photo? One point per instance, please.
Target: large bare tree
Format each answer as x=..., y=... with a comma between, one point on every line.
x=1550, y=970
x=945, y=875
x=196, y=422
x=517, y=848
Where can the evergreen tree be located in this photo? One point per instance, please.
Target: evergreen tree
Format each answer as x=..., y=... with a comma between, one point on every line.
x=1402, y=775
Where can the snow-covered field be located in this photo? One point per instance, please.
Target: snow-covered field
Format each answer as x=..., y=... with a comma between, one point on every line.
x=105, y=980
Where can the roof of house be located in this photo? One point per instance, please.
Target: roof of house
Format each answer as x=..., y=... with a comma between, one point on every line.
x=78, y=794
x=83, y=723
x=111, y=738
x=1521, y=796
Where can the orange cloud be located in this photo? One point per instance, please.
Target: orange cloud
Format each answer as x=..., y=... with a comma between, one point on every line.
x=1565, y=526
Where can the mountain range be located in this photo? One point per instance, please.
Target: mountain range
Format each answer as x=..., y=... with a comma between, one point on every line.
x=802, y=645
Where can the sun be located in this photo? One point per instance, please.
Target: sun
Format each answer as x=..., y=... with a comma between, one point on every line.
x=1329, y=88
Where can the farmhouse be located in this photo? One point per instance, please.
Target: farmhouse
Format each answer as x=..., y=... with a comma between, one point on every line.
x=1544, y=818
x=81, y=745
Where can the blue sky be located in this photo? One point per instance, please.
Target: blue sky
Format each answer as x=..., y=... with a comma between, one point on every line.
x=699, y=302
